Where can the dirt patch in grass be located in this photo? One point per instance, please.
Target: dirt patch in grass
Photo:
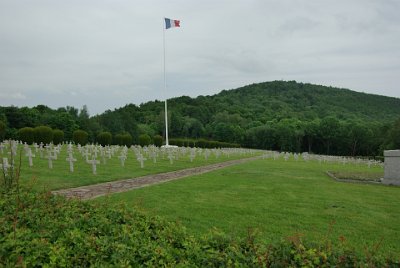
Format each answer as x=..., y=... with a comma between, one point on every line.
x=355, y=176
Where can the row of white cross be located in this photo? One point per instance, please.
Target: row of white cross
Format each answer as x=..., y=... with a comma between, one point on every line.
x=91, y=153
x=322, y=158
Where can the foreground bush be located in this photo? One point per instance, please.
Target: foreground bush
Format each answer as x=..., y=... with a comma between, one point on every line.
x=38, y=229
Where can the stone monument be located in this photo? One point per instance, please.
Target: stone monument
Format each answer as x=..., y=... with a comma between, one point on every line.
x=392, y=167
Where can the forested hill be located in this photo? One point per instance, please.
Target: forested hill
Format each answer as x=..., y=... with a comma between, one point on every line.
x=272, y=115
x=278, y=100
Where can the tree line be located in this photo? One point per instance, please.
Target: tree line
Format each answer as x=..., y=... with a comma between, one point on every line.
x=278, y=115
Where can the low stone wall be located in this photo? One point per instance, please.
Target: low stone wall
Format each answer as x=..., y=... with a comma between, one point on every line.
x=392, y=167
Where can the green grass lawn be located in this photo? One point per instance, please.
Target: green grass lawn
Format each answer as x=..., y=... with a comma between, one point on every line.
x=40, y=176
x=279, y=199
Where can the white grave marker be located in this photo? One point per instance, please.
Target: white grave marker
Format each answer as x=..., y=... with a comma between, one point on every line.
x=30, y=155
x=122, y=158
x=50, y=159
x=5, y=166
x=71, y=161
x=141, y=159
x=94, y=162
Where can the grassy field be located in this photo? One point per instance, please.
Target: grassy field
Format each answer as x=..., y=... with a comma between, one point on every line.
x=41, y=177
x=280, y=199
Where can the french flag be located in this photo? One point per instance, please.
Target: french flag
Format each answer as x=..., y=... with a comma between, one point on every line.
x=172, y=23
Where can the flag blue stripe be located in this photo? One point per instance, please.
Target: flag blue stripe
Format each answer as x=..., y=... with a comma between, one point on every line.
x=167, y=23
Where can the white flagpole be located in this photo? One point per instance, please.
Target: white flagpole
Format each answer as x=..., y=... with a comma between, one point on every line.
x=165, y=92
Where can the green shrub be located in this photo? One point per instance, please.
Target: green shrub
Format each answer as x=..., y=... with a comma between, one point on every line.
x=127, y=139
x=11, y=133
x=123, y=139
x=158, y=140
x=176, y=141
x=43, y=134
x=118, y=139
x=80, y=137
x=202, y=143
x=2, y=130
x=58, y=136
x=104, y=138
x=26, y=134
x=144, y=140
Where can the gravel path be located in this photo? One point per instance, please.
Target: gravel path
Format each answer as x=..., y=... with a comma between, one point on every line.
x=96, y=190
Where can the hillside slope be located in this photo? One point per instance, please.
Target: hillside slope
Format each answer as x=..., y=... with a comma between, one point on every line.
x=278, y=99
x=275, y=115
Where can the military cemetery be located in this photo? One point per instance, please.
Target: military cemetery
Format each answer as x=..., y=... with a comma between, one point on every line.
x=244, y=134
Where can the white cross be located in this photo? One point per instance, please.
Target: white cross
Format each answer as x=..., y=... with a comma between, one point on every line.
x=30, y=155
x=141, y=159
x=192, y=155
x=41, y=150
x=48, y=147
x=71, y=160
x=206, y=154
x=369, y=164
x=86, y=155
x=95, y=151
x=108, y=153
x=13, y=151
x=171, y=158
x=26, y=147
x=93, y=162
x=50, y=158
x=5, y=166
x=70, y=147
x=122, y=158
x=153, y=155
x=55, y=153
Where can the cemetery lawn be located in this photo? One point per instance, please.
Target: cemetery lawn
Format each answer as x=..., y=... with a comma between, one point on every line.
x=280, y=199
x=39, y=176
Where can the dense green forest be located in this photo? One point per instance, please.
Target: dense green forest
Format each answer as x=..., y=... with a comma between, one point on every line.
x=278, y=115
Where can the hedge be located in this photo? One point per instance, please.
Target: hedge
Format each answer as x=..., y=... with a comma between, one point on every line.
x=58, y=136
x=158, y=140
x=104, y=138
x=80, y=137
x=26, y=134
x=43, y=134
x=144, y=140
x=202, y=143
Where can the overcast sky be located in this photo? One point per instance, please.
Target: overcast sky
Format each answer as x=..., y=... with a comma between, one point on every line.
x=106, y=54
